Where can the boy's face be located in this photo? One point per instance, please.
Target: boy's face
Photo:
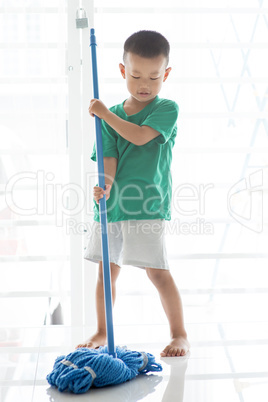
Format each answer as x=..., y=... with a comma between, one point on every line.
x=144, y=76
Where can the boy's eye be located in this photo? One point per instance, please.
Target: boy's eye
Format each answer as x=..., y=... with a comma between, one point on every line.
x=153, y=79
x=136, y=78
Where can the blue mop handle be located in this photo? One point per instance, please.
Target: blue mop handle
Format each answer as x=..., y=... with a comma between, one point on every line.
x=103, y=211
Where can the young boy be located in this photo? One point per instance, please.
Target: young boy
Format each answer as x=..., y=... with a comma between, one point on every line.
x=138, y=137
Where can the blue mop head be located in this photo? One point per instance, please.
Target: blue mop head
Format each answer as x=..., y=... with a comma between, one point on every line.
x=83, y=368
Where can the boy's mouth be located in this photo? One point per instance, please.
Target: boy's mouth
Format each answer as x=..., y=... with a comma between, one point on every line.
x=144, y=93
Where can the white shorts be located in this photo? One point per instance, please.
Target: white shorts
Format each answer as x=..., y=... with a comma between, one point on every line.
x=137, y=242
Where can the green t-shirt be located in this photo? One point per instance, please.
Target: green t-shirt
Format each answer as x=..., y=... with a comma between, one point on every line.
x=142, y=187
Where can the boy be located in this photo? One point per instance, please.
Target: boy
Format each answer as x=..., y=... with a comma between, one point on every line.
x=138, y=137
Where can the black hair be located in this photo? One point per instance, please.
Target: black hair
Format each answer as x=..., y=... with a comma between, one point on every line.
x=147, y=44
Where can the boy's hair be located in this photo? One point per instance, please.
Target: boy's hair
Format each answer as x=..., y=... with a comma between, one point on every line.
x=147, y=44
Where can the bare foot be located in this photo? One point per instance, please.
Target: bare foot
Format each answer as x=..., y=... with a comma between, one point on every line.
x=94, y=342
x=178, y=346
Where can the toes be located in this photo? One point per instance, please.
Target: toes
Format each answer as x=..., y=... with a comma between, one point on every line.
x=80, y=346
x=177, y=352
x=171, y=352
x=165, y=351
x=181, y=352
x=84, y=345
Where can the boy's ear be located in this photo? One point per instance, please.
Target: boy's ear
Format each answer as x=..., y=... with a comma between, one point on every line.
x=122, y=70
x=167, y=73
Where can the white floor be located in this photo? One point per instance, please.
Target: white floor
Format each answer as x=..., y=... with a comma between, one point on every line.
x=227, y=362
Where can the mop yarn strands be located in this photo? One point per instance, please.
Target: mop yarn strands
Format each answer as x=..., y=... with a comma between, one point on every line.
x=84, y=368
x=107, y=365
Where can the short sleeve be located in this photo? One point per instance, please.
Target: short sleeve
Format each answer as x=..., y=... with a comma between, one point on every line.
x=109, y=142
x=163, y=119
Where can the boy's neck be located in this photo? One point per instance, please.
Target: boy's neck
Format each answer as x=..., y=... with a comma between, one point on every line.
x=133, y=106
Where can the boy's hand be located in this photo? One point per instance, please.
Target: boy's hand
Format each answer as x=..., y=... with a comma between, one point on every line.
x=97, y=108
x=98, y=192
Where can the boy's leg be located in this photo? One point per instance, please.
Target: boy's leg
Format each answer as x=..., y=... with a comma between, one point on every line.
x=99, y=338
x=171, y=301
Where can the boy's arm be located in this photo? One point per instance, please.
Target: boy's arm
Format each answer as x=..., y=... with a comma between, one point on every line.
x=110, y=166
x=138, y=135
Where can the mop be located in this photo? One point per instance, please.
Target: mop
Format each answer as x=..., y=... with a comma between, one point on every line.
x=107, y=365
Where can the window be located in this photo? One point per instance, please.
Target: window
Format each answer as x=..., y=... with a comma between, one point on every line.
x=34, y=250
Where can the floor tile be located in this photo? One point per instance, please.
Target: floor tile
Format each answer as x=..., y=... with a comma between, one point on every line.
x=14, y=393
x=227, y=362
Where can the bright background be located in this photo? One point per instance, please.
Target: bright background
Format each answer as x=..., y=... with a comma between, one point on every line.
x=218, y=242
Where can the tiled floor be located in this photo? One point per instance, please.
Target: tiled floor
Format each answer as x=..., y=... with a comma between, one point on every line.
x=227, y=362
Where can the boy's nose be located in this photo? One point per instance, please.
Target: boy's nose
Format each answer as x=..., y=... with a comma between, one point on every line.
x=144, y=82
x=144, y=85
x=144, y=89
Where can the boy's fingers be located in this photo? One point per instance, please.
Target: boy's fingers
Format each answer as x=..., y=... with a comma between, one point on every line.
x=98, y=191
x=98, y=198
x=99, y=188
